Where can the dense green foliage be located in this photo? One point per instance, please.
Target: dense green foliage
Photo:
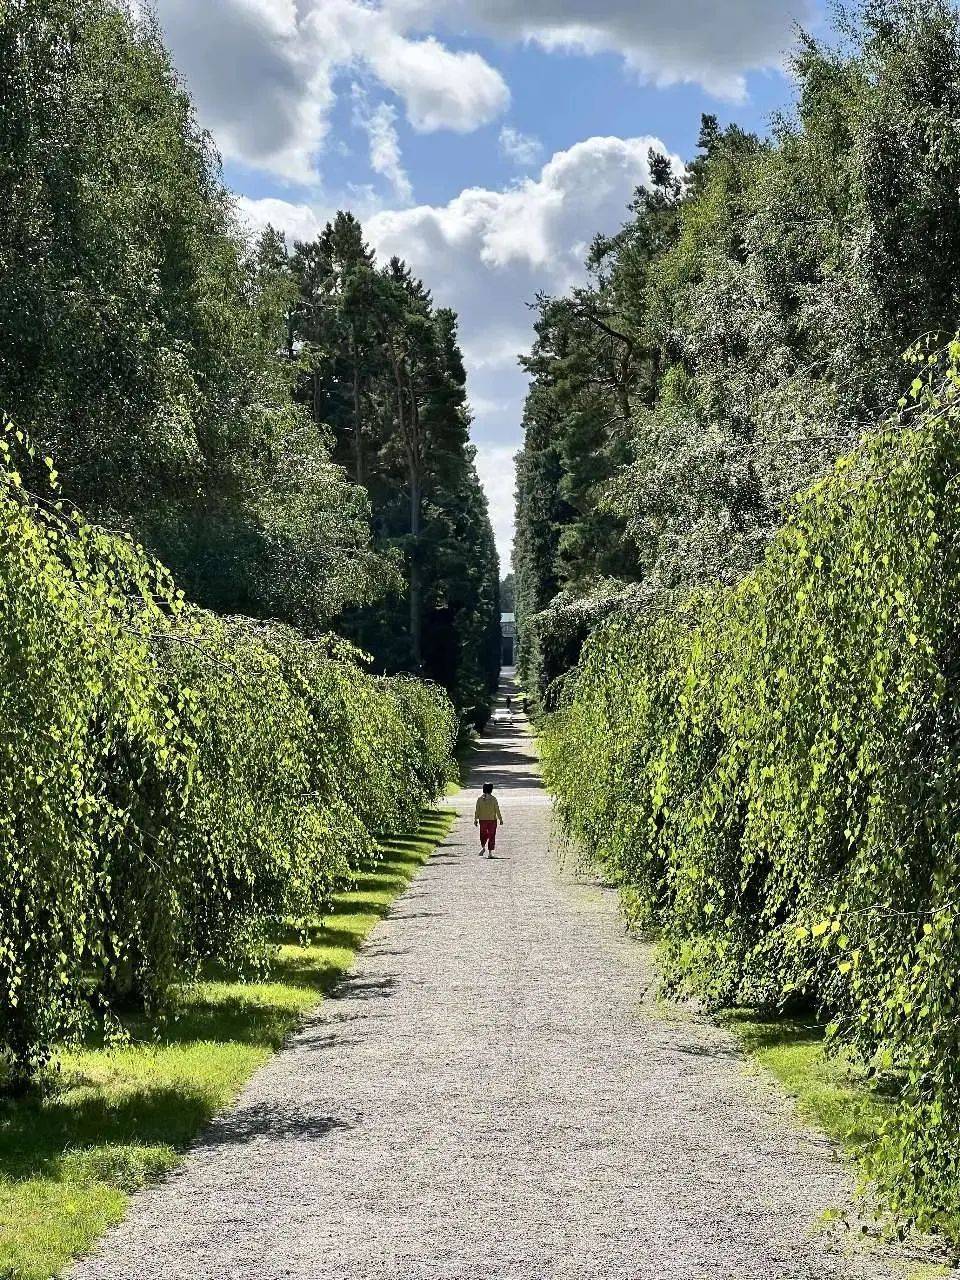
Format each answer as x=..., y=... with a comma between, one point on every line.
x=754, y=718
x=379, y=368
x=202, y=395
x=740, y=330
x=140, y=341
x=173, y=784
x=772, y=774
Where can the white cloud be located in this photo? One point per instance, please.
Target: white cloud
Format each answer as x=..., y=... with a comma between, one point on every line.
x=299, y=221
x=535, y=229
x=441, y=90
x=256, y=87
x=487, y=253
x=665, y=41
x=495, y=348
x=379, y=125
x=522, y=148
x=482, y=405
x=264, y=75
x=495, y=467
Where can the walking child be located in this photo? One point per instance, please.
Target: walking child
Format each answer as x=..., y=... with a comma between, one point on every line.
x=487, y=816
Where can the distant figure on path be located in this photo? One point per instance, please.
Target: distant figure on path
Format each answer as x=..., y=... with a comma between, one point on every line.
x=486, y=816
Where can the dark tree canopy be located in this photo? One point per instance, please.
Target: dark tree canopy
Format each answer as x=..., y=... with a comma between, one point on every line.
x=379, y=368
x=140, y=340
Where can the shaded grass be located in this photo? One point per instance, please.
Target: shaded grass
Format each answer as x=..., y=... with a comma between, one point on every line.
x=118, y=1117
x=830, y=1091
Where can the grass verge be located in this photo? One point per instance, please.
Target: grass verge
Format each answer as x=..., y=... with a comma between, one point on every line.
x=829, y=1091
x=835, y=1094
x=119, y=1117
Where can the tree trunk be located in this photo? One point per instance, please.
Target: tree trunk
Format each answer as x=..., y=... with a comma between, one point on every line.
x=623, y=386
x=415, y=456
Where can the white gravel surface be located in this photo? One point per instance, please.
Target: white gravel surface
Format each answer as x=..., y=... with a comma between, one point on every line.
x=494, y=1093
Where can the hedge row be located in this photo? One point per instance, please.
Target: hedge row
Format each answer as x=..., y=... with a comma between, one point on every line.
x=552, y=640
x=171, y=784
x=772, y=775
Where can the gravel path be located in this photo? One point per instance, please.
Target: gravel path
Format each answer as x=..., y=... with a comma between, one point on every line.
x=494, y=1094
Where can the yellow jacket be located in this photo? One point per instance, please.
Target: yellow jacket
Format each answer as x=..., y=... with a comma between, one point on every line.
x=487, y=810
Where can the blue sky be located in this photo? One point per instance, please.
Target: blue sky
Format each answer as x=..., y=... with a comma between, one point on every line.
x=483, y=141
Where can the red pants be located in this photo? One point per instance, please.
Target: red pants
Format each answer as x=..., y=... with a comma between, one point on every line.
x=488, y=834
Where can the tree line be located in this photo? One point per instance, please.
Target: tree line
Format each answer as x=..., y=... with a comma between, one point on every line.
x=287, y=429
x=737, y=569
x=769, y=773
x=378, y=367
x=742, y=329
x=221, y=464
x=176, y=787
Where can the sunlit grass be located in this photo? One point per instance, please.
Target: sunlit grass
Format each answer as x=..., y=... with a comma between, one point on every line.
x=829, y=1092
x=116, y=1118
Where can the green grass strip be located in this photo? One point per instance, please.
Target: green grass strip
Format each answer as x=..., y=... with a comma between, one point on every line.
x=830, y=1091
x=118, y=1117
x=833, y=1093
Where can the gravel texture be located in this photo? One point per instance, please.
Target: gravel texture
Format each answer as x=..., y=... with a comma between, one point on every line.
x=495, y=1093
